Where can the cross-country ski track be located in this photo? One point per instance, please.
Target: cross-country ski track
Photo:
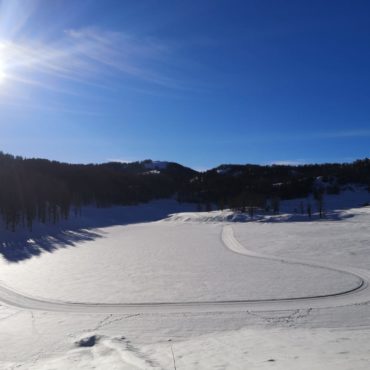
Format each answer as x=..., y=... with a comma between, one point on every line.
x=357, y=295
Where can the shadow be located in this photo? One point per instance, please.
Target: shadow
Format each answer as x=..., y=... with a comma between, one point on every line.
x=264, y=217
x=18, y=250
x=335, y=215
x=47, y=238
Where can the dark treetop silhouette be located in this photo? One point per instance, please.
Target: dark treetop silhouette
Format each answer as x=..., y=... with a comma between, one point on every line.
x=48, y=191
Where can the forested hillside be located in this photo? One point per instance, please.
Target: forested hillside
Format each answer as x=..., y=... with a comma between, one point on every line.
x=38, y=189
x=47, y=191
x=240, y=186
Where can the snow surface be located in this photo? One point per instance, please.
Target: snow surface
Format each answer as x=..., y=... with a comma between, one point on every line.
x=282, y=349
x=187, y=253
x=164, y=262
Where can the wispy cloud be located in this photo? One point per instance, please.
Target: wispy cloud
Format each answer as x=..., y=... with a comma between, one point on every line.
x=344, y=134
x=82, y=56
x=14, y=16
x=86, y=56
x=25, y=107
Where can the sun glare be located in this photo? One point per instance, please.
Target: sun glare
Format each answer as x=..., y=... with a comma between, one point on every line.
x=2, y=76
x=2, y=72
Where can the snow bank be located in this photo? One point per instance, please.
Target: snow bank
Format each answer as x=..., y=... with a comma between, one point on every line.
x=335, y=206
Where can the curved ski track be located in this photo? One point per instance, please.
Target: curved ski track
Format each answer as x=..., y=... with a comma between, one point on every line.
x=357, y=295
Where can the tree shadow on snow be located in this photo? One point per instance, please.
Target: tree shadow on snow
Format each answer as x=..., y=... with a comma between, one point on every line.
x=337, y=215
x=22, y=248
x=47, y=238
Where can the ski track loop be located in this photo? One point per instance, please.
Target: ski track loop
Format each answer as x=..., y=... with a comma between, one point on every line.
x=358, y=295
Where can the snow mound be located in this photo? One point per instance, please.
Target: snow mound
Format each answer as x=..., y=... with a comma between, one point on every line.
x=350, y=201
x=211, y=217
x=107, y=353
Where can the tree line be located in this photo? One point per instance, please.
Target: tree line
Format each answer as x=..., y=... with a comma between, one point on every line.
x=48, y=191
x=247, y=187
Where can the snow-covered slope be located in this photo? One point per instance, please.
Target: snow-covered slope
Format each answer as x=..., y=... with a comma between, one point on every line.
x=137, y=260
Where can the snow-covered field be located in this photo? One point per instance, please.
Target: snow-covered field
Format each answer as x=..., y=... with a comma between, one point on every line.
x=164, y=262
x=189, y=258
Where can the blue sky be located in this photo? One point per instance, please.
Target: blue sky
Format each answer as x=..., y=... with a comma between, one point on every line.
x=197, y=82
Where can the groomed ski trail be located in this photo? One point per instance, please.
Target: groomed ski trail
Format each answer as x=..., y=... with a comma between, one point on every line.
x=357, y=295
